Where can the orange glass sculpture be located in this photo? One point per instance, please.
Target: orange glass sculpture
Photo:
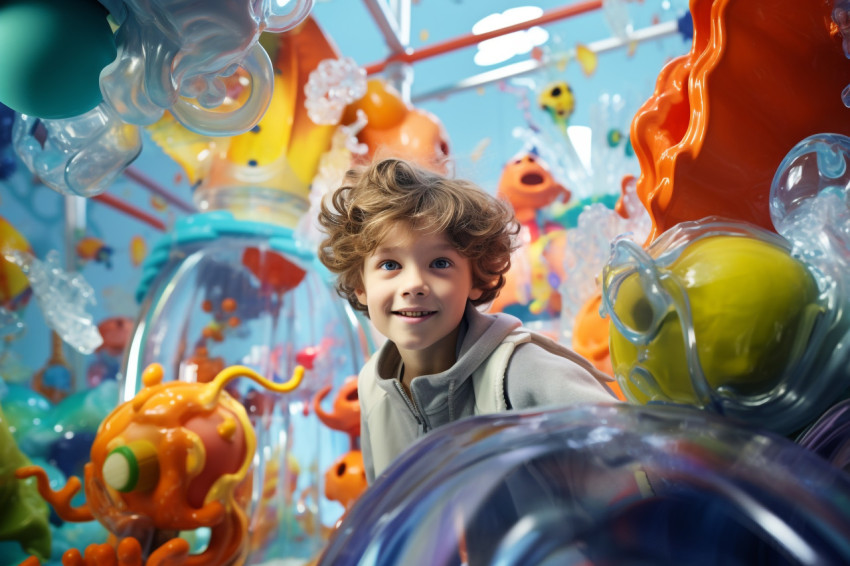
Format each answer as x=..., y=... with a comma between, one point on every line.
x=760, y=76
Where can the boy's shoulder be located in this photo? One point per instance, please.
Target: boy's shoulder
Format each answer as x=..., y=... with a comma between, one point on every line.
x=523, y=335
x=380, y=364
x=553, y=347
x=531, y=359
x=488, y=379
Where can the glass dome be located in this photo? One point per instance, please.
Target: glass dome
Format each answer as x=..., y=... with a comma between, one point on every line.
x=221, y=291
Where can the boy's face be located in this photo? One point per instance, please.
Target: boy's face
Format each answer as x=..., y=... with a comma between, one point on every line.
x=415, y=286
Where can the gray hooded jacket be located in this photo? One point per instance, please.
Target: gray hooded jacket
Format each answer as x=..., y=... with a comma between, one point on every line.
x=538, y=372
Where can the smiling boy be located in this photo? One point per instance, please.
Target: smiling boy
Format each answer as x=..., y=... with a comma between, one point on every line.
x=418, y=252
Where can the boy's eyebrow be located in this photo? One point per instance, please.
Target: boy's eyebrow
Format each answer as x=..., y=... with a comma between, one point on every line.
x=390, y=249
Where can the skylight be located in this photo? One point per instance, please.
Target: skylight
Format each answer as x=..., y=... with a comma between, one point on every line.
x=500, y=49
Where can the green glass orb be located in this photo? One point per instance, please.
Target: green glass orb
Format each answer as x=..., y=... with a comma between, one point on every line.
x=51, y=55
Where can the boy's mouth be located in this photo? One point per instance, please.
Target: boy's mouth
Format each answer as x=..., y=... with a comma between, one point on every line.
x=414, y=314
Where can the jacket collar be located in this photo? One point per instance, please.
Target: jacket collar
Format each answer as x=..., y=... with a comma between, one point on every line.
x=480, y=334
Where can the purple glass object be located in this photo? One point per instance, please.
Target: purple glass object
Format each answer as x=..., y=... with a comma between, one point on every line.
x=600, y=484
x=829, y=437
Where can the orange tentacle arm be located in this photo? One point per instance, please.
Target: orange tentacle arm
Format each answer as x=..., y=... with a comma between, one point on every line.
x=173, y=553
x=228, y=542
x=129, y=552
x=209, y=515
x=60, y=500
x=101, y=555
x=329, y=420
x=31, y=561
x=73, y=557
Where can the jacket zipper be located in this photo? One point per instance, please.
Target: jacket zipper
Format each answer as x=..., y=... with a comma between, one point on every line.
x=411, y=405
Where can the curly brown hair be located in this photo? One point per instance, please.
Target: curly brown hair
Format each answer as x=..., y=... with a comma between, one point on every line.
x=372, y=200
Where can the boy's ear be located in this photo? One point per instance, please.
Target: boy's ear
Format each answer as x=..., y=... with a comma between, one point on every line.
x=475, y=294
x=361, y=296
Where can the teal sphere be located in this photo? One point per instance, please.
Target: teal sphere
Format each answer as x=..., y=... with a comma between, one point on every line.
x=51, y=55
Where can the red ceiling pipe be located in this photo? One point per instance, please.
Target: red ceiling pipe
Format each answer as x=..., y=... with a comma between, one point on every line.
x=411, y=56
x=146, y=182
x=130, y=210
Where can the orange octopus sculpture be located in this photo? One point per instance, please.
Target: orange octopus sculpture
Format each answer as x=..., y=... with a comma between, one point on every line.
x=346, y=412
x=174, y=458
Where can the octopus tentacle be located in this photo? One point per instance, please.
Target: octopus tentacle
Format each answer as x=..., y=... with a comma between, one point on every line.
x=60, y=500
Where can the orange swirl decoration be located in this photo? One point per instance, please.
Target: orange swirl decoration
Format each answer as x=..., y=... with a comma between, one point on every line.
x=761, y=76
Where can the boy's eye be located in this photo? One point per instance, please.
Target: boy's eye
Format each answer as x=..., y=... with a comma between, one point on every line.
x=441, y=263
x=389, y=265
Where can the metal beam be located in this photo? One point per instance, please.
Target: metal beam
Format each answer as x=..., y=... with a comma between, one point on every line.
x=657, y=31
x=392, y=21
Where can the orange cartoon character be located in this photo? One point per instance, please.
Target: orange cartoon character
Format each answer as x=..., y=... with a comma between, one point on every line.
x=174, y=458
x=528, y=184
x=346, y=413
x=345, y=480
x=531, y=286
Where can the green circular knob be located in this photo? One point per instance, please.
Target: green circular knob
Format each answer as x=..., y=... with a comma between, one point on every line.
x=132, y=467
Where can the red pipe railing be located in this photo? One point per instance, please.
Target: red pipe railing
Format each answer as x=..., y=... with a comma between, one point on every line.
x=130, y=210
x=411, y=56
x=147, y=183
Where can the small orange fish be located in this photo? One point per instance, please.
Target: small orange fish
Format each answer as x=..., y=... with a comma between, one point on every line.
x=91, y=248
x=345, y=479
x=158, y=203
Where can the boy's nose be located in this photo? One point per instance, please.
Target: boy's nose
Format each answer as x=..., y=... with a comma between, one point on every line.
x=414, y=284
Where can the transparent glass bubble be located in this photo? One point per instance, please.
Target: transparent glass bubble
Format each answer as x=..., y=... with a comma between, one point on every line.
x=80, y=156
x=723, y=315
x=283, y=15
x=173, y=55
x=218, y=292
